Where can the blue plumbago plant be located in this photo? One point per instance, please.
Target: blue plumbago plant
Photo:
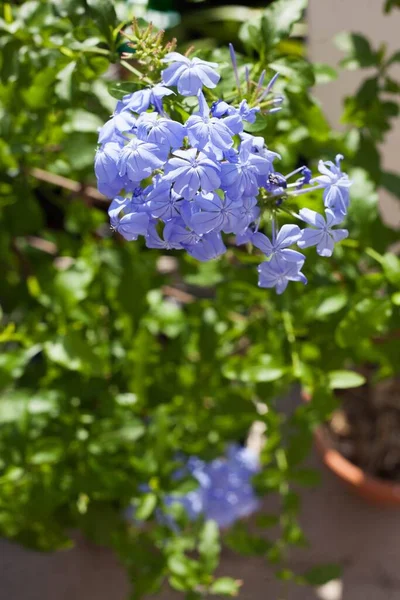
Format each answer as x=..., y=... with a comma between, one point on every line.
x=224, y=491
x=182, y=171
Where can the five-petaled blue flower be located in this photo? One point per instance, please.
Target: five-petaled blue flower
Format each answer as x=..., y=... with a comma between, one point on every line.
x=203, y=130
x=321, y=233
x=161, y=131
x=191, y=171
x=140, y=101
x=278, y=272
x=336, y=184
x=279, y=247
x=189, y=75
x=239, y=174
x=216, y=214
x=138, y=159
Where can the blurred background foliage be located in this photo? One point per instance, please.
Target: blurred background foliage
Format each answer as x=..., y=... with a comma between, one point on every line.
x=114, y=358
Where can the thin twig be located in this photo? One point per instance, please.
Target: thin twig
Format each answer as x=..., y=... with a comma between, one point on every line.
x=87, y=191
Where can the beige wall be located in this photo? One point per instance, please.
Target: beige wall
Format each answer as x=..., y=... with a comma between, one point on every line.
x=327, y=18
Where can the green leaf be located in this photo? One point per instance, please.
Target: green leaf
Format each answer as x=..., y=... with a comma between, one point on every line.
x=264, y=521
x=321, y=574
x=324, y=73
x=345, y=379
x=281, y=15
x=82, y=121
x=396, y=298
x=366, y=318
x=304, y=476
x=130, y=432
x=103, y=12
x=358, y=49
x=390, y=4
x=391, y=267
x=260, y=369
x=209, y=546
x=391, y=182
x=47, y=451
x=64, y=78
x=146, y=506
x=394, y=58
x=331, y=305
x=226, y=586
x=73, y=352
x=120, y=89
x=13, y=405
x=72, y=284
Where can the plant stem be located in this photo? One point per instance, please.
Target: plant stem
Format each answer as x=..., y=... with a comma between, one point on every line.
x=289, y=329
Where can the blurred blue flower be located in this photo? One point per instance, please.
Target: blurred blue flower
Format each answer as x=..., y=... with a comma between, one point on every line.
x=225, y=493
x=191, y=171
x=189, y=75
x=278, y=272
x=321, y=233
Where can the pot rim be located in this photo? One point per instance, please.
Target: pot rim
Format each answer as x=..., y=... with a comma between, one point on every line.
x=347, y=470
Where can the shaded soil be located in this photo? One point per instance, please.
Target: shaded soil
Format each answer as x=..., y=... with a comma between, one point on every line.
x=366, y=428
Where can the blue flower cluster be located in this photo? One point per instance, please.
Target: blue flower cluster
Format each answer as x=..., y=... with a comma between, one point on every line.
x=183, y=185
x=225, y=493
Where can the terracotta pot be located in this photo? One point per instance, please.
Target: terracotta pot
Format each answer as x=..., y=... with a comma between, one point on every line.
x=377, y=491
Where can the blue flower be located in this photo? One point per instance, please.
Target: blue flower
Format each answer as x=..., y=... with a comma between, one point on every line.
x=160, y=130
x=116, y=208
x=321, y=234
x=126, y=218
x=250, y=212
x=121, y=122
x=106, y=162
x=275, y=183
x=233, y=117
x=240, y=176
x=189, y=75
x=216, y=214
x=132, y=225
x=140, y=101
x=277, y=273
x=225, y=483
x=336, y=184
x=153, y=240
x=287, y=235
x=204, y=130
x=176, y=231
x=208, y=247
x=246, y=112
x=163, y=202
x=191, y=172
x=139, y=159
